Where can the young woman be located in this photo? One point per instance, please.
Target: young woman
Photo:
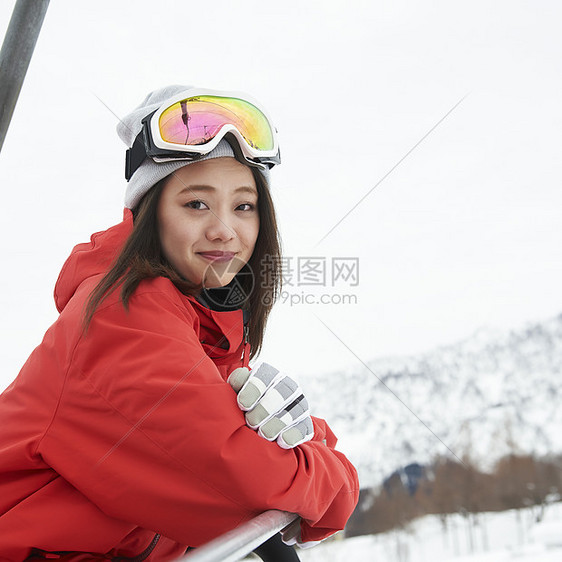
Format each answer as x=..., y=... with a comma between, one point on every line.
x=123, y=435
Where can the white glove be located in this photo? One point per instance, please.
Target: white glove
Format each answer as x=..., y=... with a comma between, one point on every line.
x=291, y=535
x=274, y=404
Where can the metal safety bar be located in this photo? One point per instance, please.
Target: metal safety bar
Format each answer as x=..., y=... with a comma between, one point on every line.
x=15, y=55
x=239, y=542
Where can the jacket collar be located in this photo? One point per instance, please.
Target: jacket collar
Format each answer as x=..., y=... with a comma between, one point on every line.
x=221, y=333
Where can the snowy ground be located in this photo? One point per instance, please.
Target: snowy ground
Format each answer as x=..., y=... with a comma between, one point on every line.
x=497, y=537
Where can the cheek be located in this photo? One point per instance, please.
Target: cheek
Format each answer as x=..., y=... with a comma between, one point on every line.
x=176, y=240
x=165, y=237
x=174, y=236
x=165, y=243
x=253, y=232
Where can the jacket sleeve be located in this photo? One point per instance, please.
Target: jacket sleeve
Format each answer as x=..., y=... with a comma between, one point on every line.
x=149, y=432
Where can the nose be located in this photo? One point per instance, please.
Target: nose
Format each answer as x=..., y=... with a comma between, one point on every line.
x=219, y=228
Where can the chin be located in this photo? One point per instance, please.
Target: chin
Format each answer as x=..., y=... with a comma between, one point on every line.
x=216, y=282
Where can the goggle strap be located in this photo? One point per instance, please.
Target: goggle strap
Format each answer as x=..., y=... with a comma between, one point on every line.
x=241, y=157
x=134, y=156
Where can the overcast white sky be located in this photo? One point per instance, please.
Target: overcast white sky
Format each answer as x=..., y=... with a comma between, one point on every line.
x=464, y=232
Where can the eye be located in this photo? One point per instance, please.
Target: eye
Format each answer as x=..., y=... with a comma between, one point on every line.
x=246, y=207
x=197, y=204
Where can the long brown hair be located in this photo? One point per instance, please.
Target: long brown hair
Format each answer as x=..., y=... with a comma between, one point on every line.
x=142, y=258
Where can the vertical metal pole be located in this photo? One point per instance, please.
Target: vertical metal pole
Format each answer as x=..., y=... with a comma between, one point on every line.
x=16, y=53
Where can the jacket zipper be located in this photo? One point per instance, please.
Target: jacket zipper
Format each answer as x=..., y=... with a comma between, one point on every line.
x=245, y=354
x=143, y=555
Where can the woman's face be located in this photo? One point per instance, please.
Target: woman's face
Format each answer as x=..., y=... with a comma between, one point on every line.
x=208, y=220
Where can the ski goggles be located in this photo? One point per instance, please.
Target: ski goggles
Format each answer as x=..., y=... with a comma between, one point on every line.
x=192, y=123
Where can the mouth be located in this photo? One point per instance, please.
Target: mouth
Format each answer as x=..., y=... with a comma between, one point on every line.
x=217, y=256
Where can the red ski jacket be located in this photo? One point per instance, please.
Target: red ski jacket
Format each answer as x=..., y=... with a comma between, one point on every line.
x=110, y=437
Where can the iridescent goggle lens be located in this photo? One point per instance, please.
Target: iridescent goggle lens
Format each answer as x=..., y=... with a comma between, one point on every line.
x=197, y=120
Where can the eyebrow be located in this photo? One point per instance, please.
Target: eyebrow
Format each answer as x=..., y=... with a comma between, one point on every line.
x=210, y=188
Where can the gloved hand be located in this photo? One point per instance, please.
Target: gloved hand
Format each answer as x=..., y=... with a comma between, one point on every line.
x=274, y=404
x=291, y=535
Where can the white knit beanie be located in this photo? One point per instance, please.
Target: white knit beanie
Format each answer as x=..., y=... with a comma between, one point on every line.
x=150, y=172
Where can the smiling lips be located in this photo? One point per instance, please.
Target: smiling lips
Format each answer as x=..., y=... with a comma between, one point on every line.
x=217, y=256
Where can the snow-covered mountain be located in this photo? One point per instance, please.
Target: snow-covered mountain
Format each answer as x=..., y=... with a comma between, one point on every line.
x=489, y=395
